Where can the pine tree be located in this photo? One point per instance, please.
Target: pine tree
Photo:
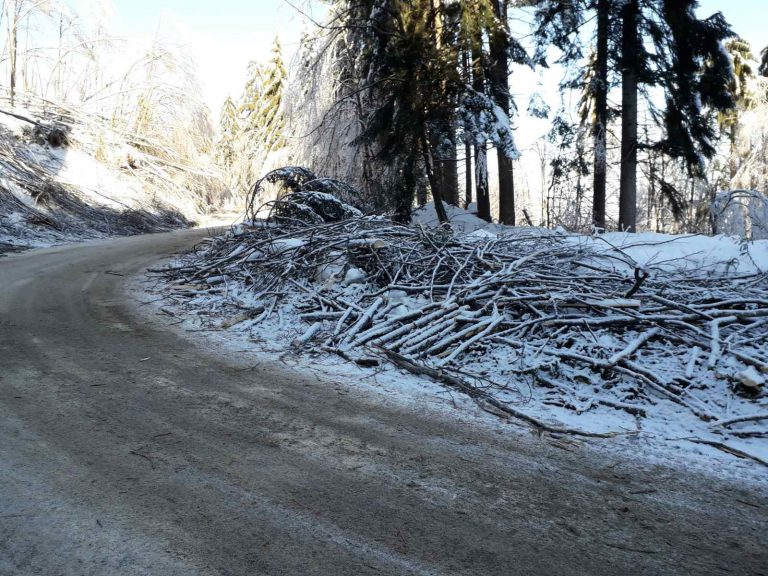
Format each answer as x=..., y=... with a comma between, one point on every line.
x=500, y=44
x=744, y=97
x=631, y=60
x=486, y=106
x=599, y=87
x=400, y=87
x=264, y=124
x=652, y=44
x=763, y=70
x=229, y=130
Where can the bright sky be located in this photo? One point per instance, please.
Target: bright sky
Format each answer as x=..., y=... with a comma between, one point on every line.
x=747, y=18
x=224, y=35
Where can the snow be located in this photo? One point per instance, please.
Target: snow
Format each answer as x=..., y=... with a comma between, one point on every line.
x=751, y=378
x=461, y=220
x=94, y=186
x=668, y=430
x=287, y=244
x=694, y=252
x=354, y=276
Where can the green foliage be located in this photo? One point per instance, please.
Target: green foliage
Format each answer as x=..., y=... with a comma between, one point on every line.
x=739, y=85
x=263, y=123
x=229, y=131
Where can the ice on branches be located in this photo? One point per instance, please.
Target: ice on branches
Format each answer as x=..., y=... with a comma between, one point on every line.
x=527, y=313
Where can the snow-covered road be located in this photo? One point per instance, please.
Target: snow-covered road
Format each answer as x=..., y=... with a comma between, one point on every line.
x=126, y=449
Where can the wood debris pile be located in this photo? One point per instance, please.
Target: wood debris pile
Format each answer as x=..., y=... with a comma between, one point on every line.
x=494, y=315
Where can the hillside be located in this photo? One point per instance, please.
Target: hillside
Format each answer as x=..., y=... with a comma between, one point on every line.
x=67, y=177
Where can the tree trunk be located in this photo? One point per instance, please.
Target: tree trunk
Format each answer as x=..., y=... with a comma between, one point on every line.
x=437, y=196
x=467, y=71
x=446, y=167
x=450, y=172
x=500, y=91
x=481, y=156
x=422, y=192
x=12, y=17
x=628, y=184
x=481, y=183
x=467, y=174
x=600, y=87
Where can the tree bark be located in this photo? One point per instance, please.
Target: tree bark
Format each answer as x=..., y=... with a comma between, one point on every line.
x=467, y=174
x=481, y=155
x=437, y=196
x=600, y=88
x=500, y=90
x=443, y=139
x=628, y=182
x=13, y=22
x=446, y=168
x=467, y=70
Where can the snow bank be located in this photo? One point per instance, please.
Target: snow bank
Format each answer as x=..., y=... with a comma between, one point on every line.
x=722, y=255
x=51, y=194
x=461, y=220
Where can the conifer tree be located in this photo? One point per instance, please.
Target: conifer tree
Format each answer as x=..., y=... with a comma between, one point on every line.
x=652, y=44
x=743, y=95
x=264, y=124
x=487, y=105
x=499, y=46
x=404, y=94
x=226, y=150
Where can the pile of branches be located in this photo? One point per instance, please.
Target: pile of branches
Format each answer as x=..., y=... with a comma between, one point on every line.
x=303, y=197
x=484, y=313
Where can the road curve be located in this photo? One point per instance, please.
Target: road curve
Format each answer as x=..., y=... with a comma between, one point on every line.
x=125, y=449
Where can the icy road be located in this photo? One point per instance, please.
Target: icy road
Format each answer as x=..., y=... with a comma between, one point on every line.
x=125, y=449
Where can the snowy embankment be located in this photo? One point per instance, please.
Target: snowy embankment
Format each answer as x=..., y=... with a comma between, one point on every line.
x=636, y=335
x=65, y=180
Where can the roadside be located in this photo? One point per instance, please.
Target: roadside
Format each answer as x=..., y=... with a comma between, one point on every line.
x=650, y=337
x=66, y=176
x=391, y=387
x=125, y=448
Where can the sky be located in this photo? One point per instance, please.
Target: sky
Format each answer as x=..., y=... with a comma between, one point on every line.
x=224, y=35
x=747, y=18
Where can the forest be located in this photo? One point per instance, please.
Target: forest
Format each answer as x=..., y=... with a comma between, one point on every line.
x=359, y=287
x=647, y=115
x=656, y=119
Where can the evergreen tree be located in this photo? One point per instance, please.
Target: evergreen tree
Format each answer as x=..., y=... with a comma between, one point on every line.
x=652, y=44
x=226, y=150
x=404, y=57
x=742, y=94
x=599, y=87
x=500, y=45
x=264, y=124
x=486, y=105
x=631, y=63
x=763, y=70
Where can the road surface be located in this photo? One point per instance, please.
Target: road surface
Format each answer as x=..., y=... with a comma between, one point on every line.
x=127, y=449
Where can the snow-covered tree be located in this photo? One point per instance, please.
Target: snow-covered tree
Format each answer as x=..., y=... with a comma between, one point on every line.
x=229, y=131
x=262, y=103
x=261, y=123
